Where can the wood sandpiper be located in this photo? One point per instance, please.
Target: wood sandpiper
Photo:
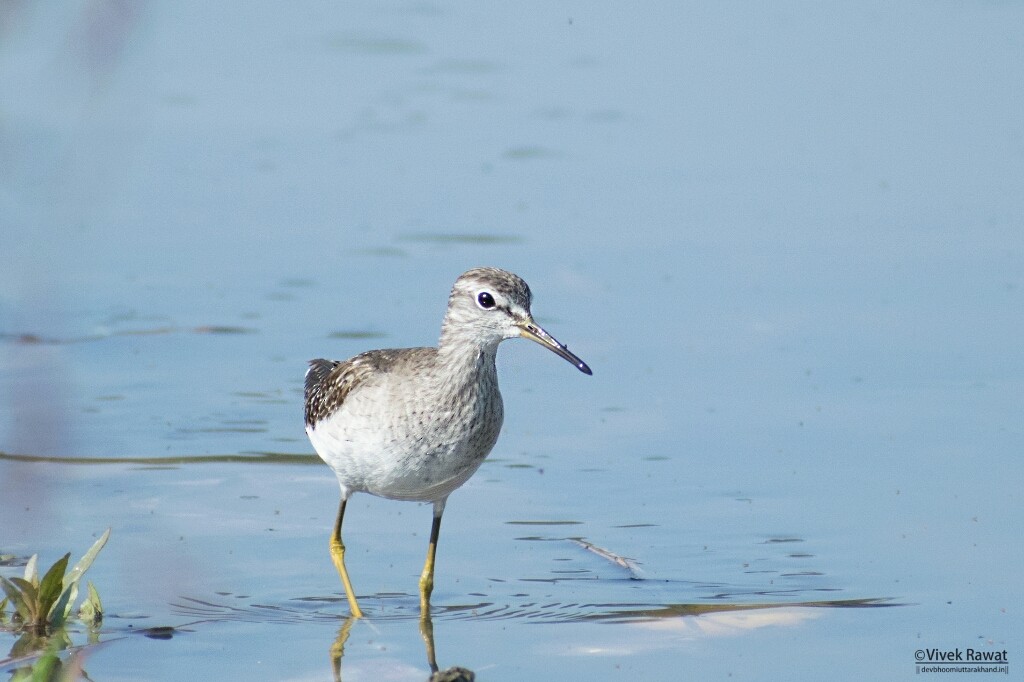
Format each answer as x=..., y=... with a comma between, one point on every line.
x=416, y=423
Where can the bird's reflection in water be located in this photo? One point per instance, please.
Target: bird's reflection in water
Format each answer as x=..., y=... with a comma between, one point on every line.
x=338, y=648
x=455, y=674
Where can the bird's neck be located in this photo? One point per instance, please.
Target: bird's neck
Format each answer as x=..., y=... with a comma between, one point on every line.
x=466, y=359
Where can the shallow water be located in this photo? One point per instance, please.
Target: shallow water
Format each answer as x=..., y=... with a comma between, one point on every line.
x=788, y=242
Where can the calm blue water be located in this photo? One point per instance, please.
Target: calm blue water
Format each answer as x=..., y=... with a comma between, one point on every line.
x=787, y=239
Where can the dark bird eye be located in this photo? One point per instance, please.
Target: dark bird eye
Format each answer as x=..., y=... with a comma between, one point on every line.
x=485, y=300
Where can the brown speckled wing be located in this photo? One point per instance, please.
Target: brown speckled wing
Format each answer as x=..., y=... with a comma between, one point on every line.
x=329, y=382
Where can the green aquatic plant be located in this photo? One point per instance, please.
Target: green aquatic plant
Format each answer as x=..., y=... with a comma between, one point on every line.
x=47, y=659
x=42, y=606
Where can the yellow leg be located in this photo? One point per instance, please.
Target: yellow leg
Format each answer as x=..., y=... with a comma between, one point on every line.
x=427, y=633
x=338, y=557
x=338, y=648
x=427, y=577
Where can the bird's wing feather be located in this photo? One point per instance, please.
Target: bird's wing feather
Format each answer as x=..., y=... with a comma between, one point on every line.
x=329, y=382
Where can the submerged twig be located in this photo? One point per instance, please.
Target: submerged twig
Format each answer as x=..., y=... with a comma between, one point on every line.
x=625, y=562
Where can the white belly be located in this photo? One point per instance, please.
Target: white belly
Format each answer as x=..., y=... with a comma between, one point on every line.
x=415, y=449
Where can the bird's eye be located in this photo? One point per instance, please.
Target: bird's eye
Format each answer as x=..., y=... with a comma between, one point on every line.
x=485, y=300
